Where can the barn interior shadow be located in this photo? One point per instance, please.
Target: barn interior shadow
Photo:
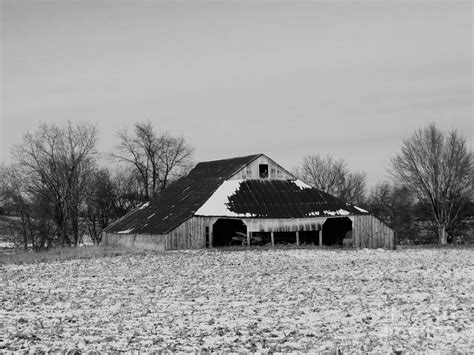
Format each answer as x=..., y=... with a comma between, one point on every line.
x=334, y=230
x=228, y=231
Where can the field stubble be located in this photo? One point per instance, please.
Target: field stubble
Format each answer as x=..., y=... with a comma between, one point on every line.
x=243, y=300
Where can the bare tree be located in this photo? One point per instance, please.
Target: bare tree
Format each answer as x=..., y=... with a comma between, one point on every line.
x=438, y=168
x=99, y=206
x=395, y=206
x=131, y=152
x=156, y=157
x=333, y=177
x=175, y=158
x=127, y=191
x=54, y=162
x=13, y=196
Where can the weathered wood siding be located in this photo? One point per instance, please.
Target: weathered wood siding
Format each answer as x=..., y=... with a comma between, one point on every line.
x=367, y=232
x=189, y=235
x=137, y=241
x=251, y=171
x=370, y=232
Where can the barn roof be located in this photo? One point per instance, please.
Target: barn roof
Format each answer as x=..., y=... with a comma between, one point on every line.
x=181, y=199
x=274, y=199
x=206, y=191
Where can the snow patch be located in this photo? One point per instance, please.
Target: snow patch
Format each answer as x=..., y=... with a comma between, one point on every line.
x=360, y=209
x=218, y=203
x=125, y=231
x=313, y=214
x=339, y=212
x=6, y=245
x=301, y=184
x=146, y=204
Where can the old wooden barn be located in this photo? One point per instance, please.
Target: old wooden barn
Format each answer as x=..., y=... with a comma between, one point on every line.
x=246, y=200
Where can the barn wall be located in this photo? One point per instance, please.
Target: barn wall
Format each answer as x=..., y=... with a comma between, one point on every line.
x=189, y=235
x=370, y=232
x=284, y=224
x=138, y=241
x=367, y=232
x=251, y=171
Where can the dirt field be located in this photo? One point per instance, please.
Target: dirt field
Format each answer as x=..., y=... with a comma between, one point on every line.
x=258, y=300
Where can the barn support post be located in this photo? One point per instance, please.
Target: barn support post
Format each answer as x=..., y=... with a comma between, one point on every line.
x=248, y=238
x=297, y=238
x=211, y=236
x=273, y=239
x=320, y=238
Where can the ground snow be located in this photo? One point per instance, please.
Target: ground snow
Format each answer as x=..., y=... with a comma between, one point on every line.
x=302, y=300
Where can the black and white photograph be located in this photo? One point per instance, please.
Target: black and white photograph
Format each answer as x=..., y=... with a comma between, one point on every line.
x=236, y=176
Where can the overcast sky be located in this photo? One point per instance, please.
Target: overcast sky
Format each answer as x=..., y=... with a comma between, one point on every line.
x=285, y=78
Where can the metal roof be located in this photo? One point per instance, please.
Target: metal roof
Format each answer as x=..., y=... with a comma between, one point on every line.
x=287, y=199
x=275, y=199
x=178, y=202
x=251, y=198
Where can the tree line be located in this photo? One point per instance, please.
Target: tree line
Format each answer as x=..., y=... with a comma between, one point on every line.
x=430, y=197
x=58, y=191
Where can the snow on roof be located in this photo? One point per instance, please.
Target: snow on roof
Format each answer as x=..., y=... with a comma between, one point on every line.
x=218, y=203
x=271, y=199
x=301, y=184
x=125, y=231
x=146, y=204
x=360, y=209
x=206, y=191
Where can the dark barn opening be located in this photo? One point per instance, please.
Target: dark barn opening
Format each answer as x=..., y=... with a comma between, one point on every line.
x=285, y=237
x=309, y=237
x=334, y=230
x=263, y=171
x=260, y=238
x=229, y=232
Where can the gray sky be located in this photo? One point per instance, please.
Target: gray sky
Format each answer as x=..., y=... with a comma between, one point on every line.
x=285, y=78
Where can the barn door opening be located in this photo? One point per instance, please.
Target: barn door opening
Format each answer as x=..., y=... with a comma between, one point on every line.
x=335, y=229
x=309, y=237
x=285, y=237
x=229, y=232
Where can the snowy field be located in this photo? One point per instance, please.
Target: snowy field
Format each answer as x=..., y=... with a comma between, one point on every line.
x=234, y=301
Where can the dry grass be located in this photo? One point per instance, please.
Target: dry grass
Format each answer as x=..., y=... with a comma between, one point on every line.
x=63, y=254
x=20, y=257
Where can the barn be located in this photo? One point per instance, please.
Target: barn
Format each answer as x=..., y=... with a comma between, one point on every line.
x=248, y=200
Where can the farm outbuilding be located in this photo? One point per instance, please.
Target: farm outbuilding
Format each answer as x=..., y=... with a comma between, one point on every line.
x=246, y=200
